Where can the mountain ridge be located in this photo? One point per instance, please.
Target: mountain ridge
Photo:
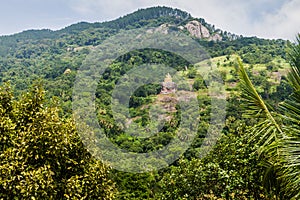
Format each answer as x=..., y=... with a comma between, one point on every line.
x=49, y=54
x=148, y=17
x=119, y=23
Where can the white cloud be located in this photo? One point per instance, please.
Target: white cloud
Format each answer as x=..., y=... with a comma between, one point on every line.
x=104, y=10
x=285, y=23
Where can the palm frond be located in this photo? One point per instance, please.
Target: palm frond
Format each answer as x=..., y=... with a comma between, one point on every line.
x=294, y=55
x=269, y=129
x=270, y=181
x=290, y=110
x=278, y=132
x=291, y=144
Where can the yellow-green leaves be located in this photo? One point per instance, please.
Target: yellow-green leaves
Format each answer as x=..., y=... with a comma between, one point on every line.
x=41, y=155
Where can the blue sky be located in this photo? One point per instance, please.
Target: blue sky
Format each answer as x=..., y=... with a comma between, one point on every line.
x=262, y=18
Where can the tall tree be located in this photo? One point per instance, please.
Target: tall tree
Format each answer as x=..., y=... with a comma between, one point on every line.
x=41, y=155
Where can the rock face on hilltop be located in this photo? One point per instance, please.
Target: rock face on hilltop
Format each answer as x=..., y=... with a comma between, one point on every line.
x=164, y=29
x=216, y=37
x=198, y=30
x=194, y=27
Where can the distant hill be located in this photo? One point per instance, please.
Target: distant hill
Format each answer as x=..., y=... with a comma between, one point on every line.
x=154, y=16
x=47, y=54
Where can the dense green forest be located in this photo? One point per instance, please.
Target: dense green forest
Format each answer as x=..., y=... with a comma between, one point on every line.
x=44, y=157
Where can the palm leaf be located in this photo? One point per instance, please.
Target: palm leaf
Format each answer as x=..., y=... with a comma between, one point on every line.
x=290, y=110
x=282, y=138
x=291, y=144
x=268, y=130
x=294, y=55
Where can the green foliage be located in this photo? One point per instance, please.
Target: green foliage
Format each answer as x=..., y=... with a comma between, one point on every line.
x=192, y=73
x=41, y=155
x=148, y=16
x=136, y=186
x=252, y=49
x=278, y=133
x=230, y=171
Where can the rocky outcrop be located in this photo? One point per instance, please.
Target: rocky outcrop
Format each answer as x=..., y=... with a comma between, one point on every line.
x=164, y=29
x=197, y=30
x=194, y=27
x=216, y=37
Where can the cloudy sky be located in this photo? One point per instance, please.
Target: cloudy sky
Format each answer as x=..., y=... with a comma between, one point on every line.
x=262, y=18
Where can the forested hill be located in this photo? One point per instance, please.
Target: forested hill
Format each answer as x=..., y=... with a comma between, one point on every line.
x=43, y=157
x=151, y=17
x=47, y=54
